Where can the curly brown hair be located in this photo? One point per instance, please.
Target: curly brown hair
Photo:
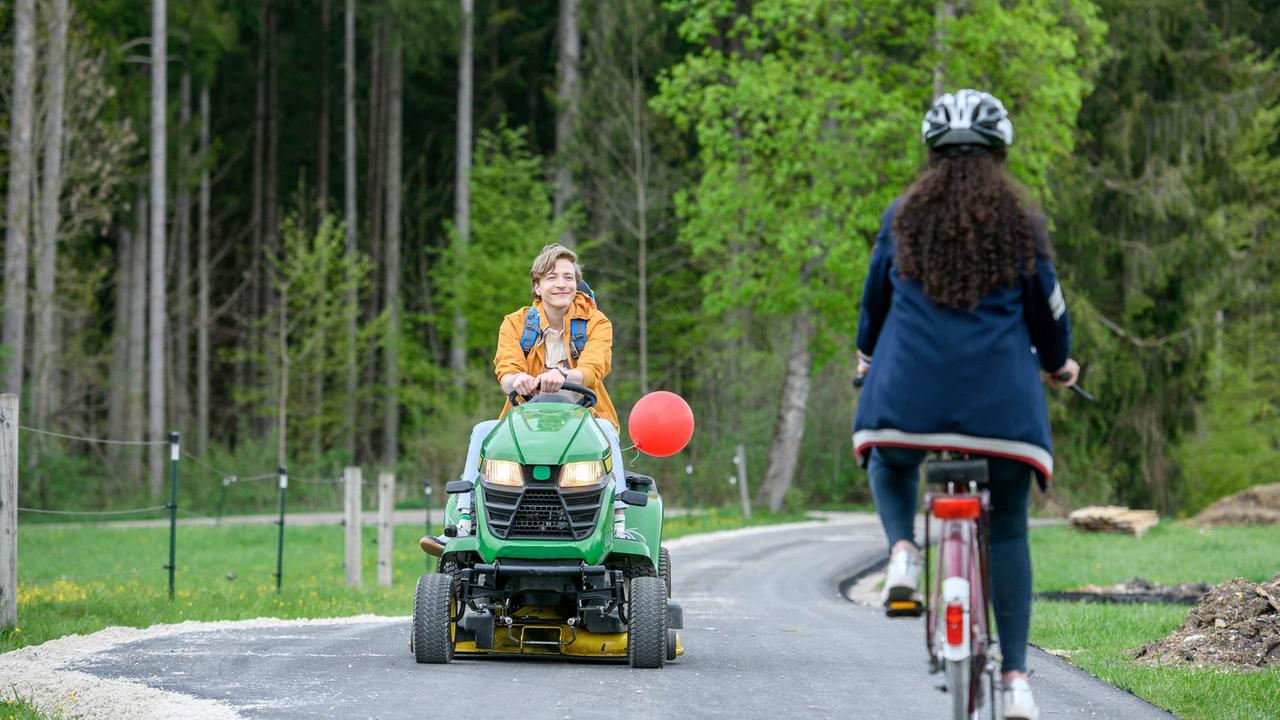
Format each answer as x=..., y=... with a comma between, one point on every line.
x=964, y=227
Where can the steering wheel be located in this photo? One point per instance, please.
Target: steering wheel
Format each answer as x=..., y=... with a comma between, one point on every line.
x=587, y=400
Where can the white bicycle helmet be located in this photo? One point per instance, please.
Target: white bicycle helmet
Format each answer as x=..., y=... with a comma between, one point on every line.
x=967, y=117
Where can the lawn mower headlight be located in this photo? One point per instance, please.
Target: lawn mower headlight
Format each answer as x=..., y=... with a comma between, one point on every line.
x=502, y=472
x=581, y=474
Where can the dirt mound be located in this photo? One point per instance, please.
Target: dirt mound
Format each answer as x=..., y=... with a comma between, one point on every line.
x=1235, y=625
x=1258, y=505
x=1136, y=590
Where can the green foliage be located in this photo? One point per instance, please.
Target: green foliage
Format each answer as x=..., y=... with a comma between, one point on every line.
x=759, y=141
x=783, y=181
x=316, y=275
x=510, y=222
x=791, y=172
x=792, y=177
x=1236, y=443
x=1158, y=218
x=489, y=278
x=1040, y=58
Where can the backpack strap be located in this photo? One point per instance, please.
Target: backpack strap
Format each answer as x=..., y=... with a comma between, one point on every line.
x=532, y=330
x=577, y=327
x=577, y=335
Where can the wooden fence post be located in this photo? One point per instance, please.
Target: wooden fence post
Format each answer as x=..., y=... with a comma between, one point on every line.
x=351, y=518
x=386, y=525
x=8, y=510
x=740, y=459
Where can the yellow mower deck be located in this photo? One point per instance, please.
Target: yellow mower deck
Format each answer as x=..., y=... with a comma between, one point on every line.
x=552, y=637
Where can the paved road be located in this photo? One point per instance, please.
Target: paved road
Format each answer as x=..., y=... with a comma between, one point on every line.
x=766, y=631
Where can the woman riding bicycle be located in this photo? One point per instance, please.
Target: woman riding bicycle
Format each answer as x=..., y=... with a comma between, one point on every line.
x=963, y=313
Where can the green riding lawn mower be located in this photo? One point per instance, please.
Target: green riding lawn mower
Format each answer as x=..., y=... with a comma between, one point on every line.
x=550, y=547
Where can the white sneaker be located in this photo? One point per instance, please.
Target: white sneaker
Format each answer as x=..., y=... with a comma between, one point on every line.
x=902, y=579
x=1017, y=701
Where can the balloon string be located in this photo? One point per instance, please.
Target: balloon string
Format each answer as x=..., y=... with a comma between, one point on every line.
x=637, y=456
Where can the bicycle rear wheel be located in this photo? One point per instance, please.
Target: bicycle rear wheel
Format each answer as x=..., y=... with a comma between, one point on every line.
x=958, y=680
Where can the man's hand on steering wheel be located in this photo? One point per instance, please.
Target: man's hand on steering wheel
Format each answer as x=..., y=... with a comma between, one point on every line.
x=525, y=384
x=551, y=380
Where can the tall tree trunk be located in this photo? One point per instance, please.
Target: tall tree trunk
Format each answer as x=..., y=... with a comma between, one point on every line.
x=349, y=170
x=640, y=171
x=569, y=94
x=322, y=191
x=44, y=349
x=391, y=286
x=156, y=331
x=202, y=279
x=136, y=414
x=375, y=167
x=182, y=243
x=322, y=149
x=788, y=429
x=462, y=186
x=271, y=211
x=374, y=164
x=18, y=214
x=249, y=425
x=944, y=12
x=117, y=402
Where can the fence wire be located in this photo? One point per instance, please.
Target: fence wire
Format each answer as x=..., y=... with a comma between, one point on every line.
x=135, y=511
x=99, y=441
x=321, y=481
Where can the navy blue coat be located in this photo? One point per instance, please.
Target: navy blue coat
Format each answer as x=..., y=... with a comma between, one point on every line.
x=968, y=380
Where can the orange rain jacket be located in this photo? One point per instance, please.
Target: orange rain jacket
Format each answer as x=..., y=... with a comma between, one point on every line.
x=595, y=362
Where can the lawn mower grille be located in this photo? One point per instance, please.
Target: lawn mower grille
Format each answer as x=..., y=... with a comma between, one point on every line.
x=541, y=513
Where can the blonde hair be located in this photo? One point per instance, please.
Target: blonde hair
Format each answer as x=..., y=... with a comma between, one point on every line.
x=546, y=262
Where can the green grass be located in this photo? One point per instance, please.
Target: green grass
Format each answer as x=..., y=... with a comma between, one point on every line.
x=1169, y=553
x=1100, y=639
x=20, y=709
x=83, y=579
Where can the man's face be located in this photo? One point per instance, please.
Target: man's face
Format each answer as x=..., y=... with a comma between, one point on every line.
x=558, y=287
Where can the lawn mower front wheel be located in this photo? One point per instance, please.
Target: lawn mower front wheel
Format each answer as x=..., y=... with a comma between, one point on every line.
x=432, y=611
x=647, y=623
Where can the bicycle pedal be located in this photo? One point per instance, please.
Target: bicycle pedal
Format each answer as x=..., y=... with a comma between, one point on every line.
x=904, y=608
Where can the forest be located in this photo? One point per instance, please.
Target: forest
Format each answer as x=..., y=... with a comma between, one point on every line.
x=289, y=229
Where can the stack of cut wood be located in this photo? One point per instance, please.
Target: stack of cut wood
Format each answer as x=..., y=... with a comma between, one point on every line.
x=1113, y=518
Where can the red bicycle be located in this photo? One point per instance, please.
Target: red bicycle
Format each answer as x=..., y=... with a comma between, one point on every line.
x=957, y=626
x=958, y=610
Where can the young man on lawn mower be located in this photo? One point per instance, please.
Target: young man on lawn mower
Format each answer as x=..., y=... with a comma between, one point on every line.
x=563, y=337
x=550, y=547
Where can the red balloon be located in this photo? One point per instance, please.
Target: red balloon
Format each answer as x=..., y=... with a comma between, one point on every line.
x=661, y=424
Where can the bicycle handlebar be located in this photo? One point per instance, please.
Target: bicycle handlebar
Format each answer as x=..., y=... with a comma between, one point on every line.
x=1065, y=376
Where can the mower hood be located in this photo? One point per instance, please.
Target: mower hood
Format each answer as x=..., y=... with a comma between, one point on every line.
x=547, y=433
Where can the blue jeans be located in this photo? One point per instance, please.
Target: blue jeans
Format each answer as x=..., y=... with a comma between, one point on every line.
x=895, y=475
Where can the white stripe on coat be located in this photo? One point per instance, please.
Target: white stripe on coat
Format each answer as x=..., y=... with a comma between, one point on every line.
x=1057, y=305
x=1038, y=457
